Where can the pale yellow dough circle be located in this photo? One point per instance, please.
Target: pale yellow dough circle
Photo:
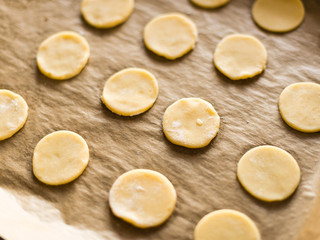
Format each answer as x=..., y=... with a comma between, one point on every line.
x=226, y=224
x=60, y=157
x=191, y=123
x=106, y=13
x=130, y=91
x=13, y=113
x=269, y=173
x=240, y=56
x=170, y=35
x=299, y=105
x=63, y=55
x=210, y=3
x=278, y=15
x=142, y=197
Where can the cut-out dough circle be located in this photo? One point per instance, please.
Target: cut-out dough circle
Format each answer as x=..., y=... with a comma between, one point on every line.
x=278, y=15
x=269, y=173
x=63, y=55
x=210, y=3
x=240, y=56
x=142, y=197
x=106, y=13
x=130, y=91
x=13, y=113
x=191, y=122
x=226, y=224
x=60, y=157
x=299, y=105
x=170, y=35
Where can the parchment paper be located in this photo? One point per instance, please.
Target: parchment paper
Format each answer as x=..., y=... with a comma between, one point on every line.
x=205, y=179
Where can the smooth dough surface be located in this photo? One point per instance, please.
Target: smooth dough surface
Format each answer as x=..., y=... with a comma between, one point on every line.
x=170, y=35
x=106, y=13
x=130, y=92
x=299, y=105
x=191, y=122
x=269, y=173
x=63, y=55
x=210, y=3
x=226, y=224
x=13, y=113
x=240, y=56
x=60, y=157
x=142, y=197
x=278, y=15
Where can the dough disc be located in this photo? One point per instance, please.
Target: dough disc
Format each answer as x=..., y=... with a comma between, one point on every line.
x=226, y=225
x=210, y=3
x=278, y=15
x=63, y=55
x=106, y=13
x=191, y=122
x=269, y=173
x=170, y=35
x=299, y=105
x=130, y=92
x=60, y=158
x=144, y=198
x=13, y=113
x=240, y=56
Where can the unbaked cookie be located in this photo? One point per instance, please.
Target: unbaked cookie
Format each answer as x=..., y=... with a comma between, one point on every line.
x=269, y=173
x=130, y=92
x=106, y=13
x=210, y=3
x=144, y=198
x=63, y=55
x=170, y=35
x=60, y=158
x=278, y=15
x=13, y=113
x=226, y=225
x=240, y=56
x=191, y=122
x=299, y=105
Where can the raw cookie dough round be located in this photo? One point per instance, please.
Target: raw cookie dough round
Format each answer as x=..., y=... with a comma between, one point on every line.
x=130, y=92
x=226, y=224
x=268, y=173
x=144, y=198
x=106, y=13
x=210, y=3
x=191, y=123
x=60, y=158
x=299, y=105
x=278, y=15
x=170, y=35
x=63, y=55
x=240, y=56
x=13, y=113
